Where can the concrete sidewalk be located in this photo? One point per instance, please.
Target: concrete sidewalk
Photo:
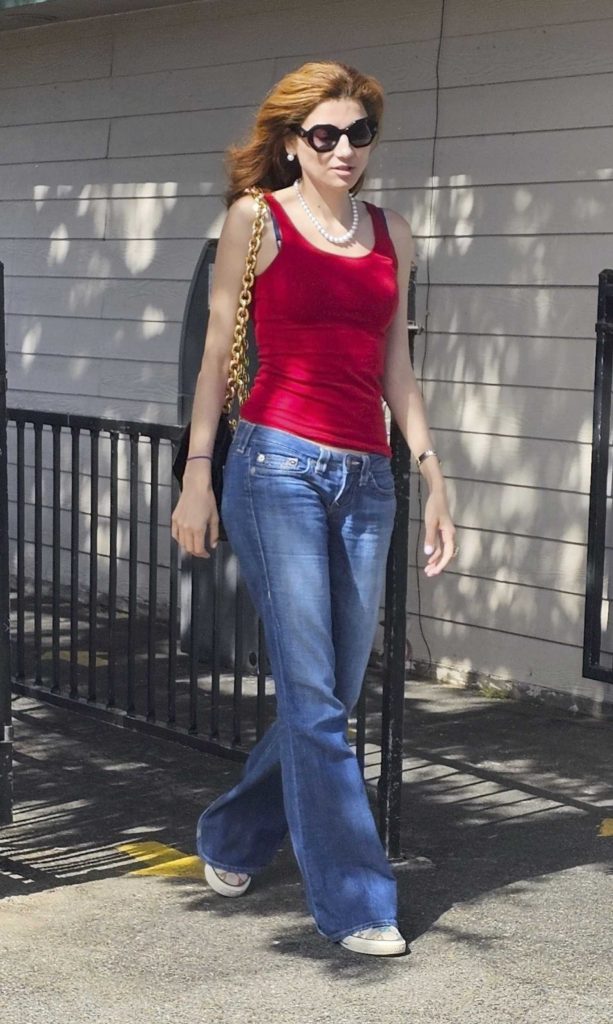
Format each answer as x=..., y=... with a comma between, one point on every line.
x=506, y=894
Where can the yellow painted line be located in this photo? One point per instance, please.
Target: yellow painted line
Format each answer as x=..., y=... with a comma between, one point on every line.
x=163, y=860
x=82, y=658
x=606, y=827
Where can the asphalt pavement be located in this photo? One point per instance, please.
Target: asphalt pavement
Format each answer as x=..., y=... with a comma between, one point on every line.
x=506, y=890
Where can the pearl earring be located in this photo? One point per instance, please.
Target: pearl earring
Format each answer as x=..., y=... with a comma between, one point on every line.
x=290, y=156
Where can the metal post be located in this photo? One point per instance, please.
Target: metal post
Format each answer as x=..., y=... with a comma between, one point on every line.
x=597, y=519
x=6, y=729
x=395, y=635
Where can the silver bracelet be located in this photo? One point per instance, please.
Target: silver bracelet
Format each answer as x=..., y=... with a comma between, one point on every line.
x=426, y=455
x=209, y=457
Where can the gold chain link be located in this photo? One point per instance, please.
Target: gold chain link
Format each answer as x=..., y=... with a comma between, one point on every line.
x=238, y=376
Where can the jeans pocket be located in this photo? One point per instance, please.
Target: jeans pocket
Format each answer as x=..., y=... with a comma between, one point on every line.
x=274, y=463
x=382, y=481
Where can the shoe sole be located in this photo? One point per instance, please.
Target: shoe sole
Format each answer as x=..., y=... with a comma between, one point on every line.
x=375, y=947
x=222, y=887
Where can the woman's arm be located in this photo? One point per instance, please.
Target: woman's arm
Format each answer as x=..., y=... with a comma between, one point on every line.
x=196, y=511
x=403, y=395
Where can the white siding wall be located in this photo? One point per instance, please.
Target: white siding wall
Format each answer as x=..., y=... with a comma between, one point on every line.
x=111, y=136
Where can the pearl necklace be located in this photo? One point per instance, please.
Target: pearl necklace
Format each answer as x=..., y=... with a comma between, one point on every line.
x=336, y=239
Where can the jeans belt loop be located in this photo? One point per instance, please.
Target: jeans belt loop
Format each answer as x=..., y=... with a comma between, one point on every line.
x=365, y=469
x=244, y=431
x=322, y=461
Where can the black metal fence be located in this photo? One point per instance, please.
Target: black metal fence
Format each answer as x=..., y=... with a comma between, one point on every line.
x=598, y=630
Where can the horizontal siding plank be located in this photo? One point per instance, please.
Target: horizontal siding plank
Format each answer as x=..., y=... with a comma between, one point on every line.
x=554, y=465
x=85, y=378
x=553, y=103
x=192, y=132
x=526, y=561
x=57, y=54
x=61, y=219
x=194, y=174
x=40, y=142
x=539, y=312
x=493, y=409
x=399, y=66
x=159, y=92
x=552, y=51
x=83, y=405
x=544, y=362
x=538, y=260
x=465, y=17
x=508, y=607
x=200, y=36
x=511, y=510
x=532, y=156
x=561, y=208
x=152, y=217
x=63, y=336
x=467, y=648
x=165, y=217
x=153, y=302
x=163, y=259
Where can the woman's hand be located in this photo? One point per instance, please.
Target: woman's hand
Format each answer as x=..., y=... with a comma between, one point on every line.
x=440, y=533
x=196, y=515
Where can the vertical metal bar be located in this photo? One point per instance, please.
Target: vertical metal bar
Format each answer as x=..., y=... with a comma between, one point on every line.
x=21, y=543
x=260, y=707
x=6, y=731
x=38, y=550
x=360, y=729
x=132, y=574
x=215, y=645
x=153, y=574
x=74, y=563
x=112, y=606
x=597, y=516
x=193, y=648
x=93, y=564
x=239, y=629
x=173, y=605
x=56, y=543
x=395, y=631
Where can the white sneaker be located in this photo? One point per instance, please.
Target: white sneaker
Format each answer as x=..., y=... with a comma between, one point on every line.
x=384, y=940
x=226, y=883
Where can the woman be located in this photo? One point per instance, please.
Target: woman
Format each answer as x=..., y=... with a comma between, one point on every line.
x=308, y=501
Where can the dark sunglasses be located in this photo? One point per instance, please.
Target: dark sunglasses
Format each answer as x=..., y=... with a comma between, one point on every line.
x=324, y=137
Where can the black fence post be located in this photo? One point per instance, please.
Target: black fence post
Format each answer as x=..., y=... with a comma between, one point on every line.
x=395, y=635
x=597, y=518
x=6, y=737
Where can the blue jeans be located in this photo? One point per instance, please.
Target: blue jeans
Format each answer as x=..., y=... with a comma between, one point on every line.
x=311, y=529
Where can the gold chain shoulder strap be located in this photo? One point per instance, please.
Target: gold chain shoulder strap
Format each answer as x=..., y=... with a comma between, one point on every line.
x=238, y=376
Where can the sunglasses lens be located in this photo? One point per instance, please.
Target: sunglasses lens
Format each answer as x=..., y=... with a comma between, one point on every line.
x=325, y=138
x=361, y=134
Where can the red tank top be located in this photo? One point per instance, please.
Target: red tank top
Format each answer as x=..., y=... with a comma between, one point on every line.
x=321, y=321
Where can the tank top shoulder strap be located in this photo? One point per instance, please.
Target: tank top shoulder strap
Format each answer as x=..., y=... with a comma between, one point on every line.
x=383, y=239
x=279, y=215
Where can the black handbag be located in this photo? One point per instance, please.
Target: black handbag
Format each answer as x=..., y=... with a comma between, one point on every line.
x=238, y=378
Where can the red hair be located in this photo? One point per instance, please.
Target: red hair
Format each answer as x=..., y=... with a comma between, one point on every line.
x=261, y=159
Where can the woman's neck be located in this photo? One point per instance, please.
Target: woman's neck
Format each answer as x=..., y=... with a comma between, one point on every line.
x=328, y=205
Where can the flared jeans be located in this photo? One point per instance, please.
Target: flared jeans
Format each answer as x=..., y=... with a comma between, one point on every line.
x=311, y=528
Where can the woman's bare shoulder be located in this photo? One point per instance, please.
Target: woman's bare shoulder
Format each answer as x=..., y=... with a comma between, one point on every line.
x=398, y=226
